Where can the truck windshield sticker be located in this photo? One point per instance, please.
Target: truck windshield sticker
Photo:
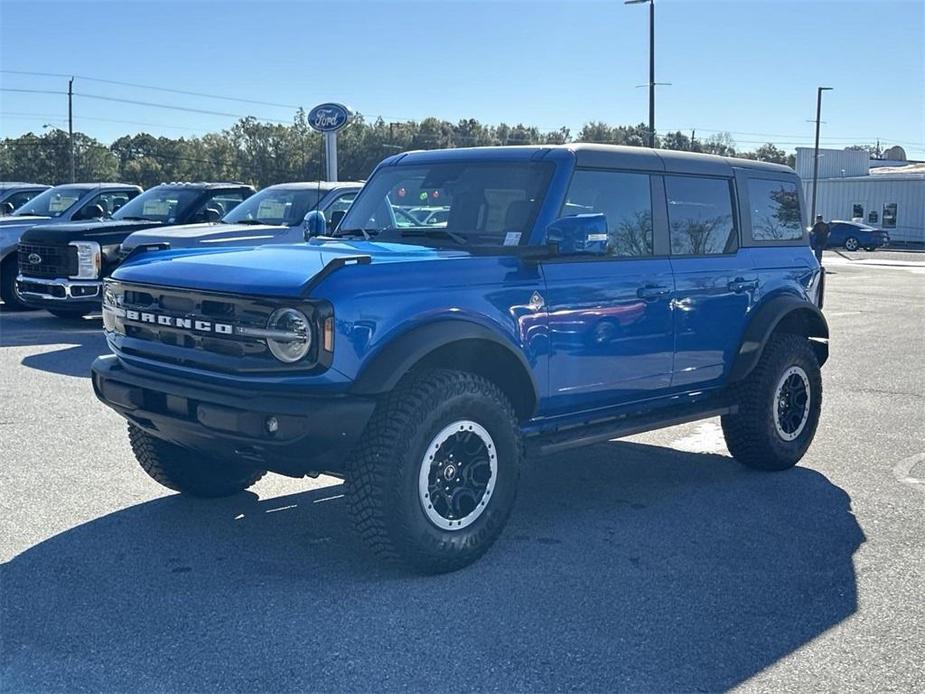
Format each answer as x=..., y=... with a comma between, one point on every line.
x=271, y=209
x=60, y=203
x=157, y=207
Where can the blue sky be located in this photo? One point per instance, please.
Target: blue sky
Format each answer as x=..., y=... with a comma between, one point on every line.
x=750, y=67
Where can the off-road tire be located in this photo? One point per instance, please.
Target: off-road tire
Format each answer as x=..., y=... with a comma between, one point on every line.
x=383, y=493
x=752, y=435
x=187, y=472
x=11, y=300
x=68, y=313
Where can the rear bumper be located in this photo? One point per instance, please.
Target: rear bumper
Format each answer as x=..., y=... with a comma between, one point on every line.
x=314, y=434
x=43, y=292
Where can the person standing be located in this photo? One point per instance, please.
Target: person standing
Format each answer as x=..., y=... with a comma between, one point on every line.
x=819, y=237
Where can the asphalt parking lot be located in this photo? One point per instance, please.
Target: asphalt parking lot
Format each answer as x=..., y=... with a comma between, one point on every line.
x=650, y=564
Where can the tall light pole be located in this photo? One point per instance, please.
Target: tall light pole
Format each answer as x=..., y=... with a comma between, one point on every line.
x=651, y=65
x=70, y=122
x=812, y=214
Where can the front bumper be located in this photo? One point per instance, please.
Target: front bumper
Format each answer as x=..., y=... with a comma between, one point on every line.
x=43, y=292
x=314, y=433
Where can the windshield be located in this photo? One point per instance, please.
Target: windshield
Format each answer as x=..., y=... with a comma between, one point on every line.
x=53, y=202
x=474, y=203
x=277, y=206
x=160, y=204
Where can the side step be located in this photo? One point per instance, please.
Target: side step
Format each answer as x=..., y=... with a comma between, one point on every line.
x=587, y=435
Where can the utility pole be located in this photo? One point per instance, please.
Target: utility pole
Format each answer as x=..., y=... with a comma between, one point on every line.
x=652, y=74
x=812, y=214
x=651, y=65
x=70, y=124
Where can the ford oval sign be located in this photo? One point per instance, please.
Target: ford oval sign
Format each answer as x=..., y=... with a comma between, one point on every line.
x=329, y=118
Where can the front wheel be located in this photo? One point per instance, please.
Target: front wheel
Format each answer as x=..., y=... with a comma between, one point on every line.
x=852, y=244
x=779, y=406
x=433, y=482
x=11, y=299
x=187, y=472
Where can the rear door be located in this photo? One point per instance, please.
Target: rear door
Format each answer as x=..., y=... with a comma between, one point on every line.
x=715, y=283
x=609, y=317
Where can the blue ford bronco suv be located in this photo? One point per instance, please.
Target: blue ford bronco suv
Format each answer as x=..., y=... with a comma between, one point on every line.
x=574, y=294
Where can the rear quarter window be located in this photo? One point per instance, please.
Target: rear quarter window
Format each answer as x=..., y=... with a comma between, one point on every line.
x=774, y=208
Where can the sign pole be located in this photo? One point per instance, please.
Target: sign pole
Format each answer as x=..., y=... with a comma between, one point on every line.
x=330, y=155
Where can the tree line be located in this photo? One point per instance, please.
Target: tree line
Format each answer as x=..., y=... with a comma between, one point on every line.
x=262, y=154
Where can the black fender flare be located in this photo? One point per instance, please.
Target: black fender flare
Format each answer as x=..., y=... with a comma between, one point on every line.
x=797, y=314
x=387, y=366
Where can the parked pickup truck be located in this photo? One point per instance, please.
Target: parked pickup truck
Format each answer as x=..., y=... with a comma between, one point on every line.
x=277, y=214
x=13, y=195
x=61, y=266
x=70, y=202
x=576, y=294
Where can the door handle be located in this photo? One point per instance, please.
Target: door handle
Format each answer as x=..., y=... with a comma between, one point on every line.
x=652, y=291
x=739, y=285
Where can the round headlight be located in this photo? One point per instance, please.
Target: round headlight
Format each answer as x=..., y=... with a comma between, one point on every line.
x=290, y=336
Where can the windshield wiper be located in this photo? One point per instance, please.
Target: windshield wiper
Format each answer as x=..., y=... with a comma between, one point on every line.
x=437, y=231
x=245, y=221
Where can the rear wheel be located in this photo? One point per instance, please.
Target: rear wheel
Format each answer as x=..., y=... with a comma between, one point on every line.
x=11, y=298
x=191, y=473
x=779, y=406
x=852, y=244
x=433, y=482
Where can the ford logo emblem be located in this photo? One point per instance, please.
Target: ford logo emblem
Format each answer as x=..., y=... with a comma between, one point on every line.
x=34, y=259
x=329, y=118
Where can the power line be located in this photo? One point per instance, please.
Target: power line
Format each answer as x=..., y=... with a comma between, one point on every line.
x=187, y=109
x=152, y=87
x=58, y=118
x=30, y=91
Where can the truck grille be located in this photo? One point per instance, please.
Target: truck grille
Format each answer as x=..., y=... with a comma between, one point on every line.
x=39, y=260
x=186, y=327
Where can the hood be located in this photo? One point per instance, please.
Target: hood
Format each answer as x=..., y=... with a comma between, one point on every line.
x=191, y=235
x=105, y=233
x=21, y=220
x=271, y=270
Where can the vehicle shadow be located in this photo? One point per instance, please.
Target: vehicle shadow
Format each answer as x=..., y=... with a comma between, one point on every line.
x=624, y=567
x=79, y=340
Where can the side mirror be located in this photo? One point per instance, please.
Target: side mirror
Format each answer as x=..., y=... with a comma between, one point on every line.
x=314, y=224
x=580, y=234
x=212, y=215
x=336, y=216
x=6, y=208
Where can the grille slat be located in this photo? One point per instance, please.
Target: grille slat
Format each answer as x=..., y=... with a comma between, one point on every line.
x=56, y=261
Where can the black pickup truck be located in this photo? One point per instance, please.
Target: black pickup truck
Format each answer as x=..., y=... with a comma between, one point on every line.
x=61, y=266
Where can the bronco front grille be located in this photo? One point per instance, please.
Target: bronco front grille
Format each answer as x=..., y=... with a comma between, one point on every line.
x=42, y=260
x=187, y=327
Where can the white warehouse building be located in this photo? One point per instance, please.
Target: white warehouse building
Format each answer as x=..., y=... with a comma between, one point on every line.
x=888, y=193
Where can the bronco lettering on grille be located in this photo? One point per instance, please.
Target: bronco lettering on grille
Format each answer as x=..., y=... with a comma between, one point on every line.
x=180, y=323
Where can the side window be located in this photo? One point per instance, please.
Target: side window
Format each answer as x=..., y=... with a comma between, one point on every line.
x=110, y=202
x=19, y=199
x=224, y=202
x=342, y=203
x=625, y=199
x=889, y=216
x=775, y=210
x=700, y=215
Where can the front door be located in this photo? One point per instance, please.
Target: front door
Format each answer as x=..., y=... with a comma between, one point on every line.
x=714, y=281
x=609, y=317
